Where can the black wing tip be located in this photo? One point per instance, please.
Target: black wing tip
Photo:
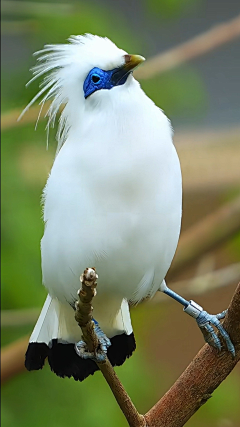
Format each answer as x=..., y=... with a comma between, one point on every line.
x=65, y=362
x=36, y=355
x=122, y=347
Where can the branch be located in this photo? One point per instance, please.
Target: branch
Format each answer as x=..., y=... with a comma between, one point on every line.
x=19, y=317
x=12, y=358
x=10, y=119
x=83, y=316
x=194, y=387
x=204, y=374
x=199, y=45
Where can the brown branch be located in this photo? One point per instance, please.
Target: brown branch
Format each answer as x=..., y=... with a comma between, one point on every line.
x=205, y=42
x=204, y=374
x=83, y=316
x=19, y=317
x=12, y=358
x=208, y=233
x=194, y=387
x=10, y=119
x=83, y=313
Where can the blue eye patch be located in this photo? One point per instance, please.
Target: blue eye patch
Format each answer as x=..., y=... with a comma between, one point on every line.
x=99, y=79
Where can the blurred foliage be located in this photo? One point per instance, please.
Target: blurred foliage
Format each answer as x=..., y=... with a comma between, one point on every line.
x=22, y=226
x=55, y=28
x=49, y=400
x=170, y=8
x=40, y=398
x=178, y=92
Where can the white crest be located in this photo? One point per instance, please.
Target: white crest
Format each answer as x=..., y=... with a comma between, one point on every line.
x=66, y=66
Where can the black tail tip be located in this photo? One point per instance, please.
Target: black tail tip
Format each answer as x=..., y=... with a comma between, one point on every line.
x=65, y=362
x=36, y=355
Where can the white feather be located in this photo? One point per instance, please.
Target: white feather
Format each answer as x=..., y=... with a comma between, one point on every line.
x=66, y=64
x=56, y=321
x=113, y=198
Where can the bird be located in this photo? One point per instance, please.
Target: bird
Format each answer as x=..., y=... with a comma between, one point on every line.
x=113, y=200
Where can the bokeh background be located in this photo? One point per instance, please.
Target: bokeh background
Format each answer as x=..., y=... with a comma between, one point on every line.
x=202, y=99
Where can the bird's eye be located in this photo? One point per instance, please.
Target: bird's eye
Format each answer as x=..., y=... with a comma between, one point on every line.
x=95, y=78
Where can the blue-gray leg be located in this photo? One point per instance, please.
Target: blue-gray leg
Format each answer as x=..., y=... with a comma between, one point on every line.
x=101, y=353
x=204, y=320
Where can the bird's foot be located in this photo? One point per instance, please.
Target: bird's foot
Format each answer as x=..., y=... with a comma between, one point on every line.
x=101, y=353
x=206, y=322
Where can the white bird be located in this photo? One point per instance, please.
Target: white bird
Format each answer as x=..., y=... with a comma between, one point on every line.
x=113, y=200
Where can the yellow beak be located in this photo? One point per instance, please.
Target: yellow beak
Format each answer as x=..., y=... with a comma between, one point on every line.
x=132, y=61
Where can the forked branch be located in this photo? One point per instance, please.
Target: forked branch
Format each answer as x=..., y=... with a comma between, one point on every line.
x=194, y=387
x=204, y=374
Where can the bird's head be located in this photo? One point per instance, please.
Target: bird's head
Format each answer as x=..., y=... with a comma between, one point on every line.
x=88, y=66
x=105, y=78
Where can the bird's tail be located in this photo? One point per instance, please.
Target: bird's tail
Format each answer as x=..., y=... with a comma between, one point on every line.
x=56, y=333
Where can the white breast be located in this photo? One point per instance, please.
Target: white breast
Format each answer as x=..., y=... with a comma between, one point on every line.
x=113, y=201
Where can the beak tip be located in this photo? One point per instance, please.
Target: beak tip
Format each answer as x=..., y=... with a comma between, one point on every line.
x=138, y=59
x=142, y=58
x=132, y=61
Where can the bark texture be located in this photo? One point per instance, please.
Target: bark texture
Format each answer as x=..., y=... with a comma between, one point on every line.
x=204, y=374
x=83, y=316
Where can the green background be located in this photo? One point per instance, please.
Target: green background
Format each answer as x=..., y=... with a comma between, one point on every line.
x=40, y=398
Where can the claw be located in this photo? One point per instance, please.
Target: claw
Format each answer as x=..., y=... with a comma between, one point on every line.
x=221, y=315
x=205, y=320
x=210, y=336
x=227, y=340
x=101, y=353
